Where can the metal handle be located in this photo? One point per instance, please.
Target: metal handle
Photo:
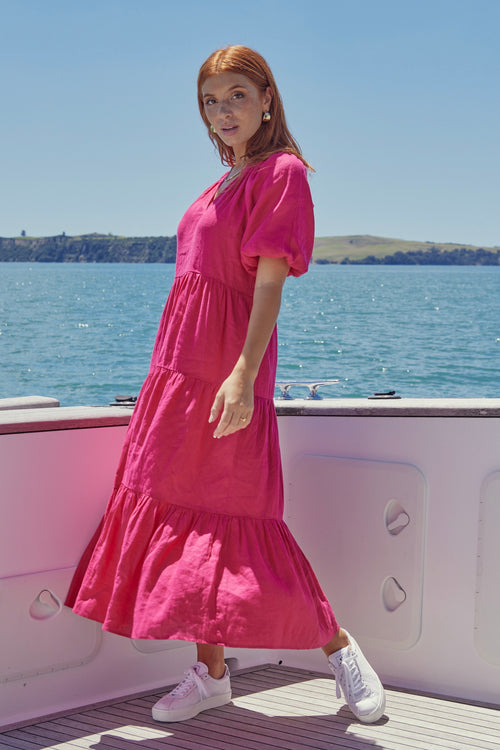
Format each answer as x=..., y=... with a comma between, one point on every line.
x=313, y=388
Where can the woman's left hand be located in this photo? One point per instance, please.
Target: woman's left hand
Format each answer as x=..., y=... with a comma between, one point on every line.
x=235, y=396
x=235, y=400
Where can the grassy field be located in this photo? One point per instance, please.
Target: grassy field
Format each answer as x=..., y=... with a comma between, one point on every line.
x=357, y=247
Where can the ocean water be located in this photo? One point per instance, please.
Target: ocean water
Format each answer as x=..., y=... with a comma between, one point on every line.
x=84, y=333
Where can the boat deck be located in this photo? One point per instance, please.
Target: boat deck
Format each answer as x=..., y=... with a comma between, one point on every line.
x=273, y=707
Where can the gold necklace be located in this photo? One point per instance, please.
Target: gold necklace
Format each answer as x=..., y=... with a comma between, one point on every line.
x=230, y=177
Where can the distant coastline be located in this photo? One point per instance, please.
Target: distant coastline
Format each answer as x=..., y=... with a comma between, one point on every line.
x=88, y=248
x=346, y=250
x=368, y=250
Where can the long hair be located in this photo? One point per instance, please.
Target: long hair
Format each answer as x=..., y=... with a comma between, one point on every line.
x=271, y=136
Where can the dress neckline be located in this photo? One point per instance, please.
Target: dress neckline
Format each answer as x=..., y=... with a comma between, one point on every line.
x=216, y=187
x=219, y=184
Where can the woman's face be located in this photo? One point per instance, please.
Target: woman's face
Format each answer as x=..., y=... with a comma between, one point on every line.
x=234, y=107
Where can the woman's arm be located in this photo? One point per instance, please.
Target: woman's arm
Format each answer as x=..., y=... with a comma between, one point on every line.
x=235, y=396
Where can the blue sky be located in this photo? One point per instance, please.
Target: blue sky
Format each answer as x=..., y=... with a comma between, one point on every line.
x=395, y=102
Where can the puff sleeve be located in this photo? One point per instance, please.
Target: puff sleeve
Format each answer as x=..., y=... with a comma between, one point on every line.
x=280, y=217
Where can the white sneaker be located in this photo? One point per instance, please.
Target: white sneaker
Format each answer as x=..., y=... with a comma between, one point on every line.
x=196, y=692
x=362, y=688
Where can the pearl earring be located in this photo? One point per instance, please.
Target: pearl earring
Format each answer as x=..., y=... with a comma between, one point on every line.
x=266, y=117
x=212, y=129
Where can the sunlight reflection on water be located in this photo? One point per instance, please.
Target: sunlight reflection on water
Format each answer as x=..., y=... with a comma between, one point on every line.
x=83, y=333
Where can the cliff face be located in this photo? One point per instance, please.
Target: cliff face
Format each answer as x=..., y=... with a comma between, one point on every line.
x=89, y=248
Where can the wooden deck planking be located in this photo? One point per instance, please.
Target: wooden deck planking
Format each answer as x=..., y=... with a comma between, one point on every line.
x=273, y=708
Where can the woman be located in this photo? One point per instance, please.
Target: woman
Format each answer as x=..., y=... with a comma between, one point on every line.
x=193, y=545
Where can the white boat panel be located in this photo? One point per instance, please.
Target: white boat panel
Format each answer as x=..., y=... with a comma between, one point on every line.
x=423, y=517
x=487, y=622
x=39, y=635
x=455, y=455
x=364, y=511
x=55, y=486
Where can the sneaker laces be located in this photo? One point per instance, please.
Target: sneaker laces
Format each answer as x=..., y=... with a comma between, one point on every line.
x=191, y=677
x=349, y=672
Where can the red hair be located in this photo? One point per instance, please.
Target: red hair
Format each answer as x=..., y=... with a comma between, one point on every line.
x=272, y=136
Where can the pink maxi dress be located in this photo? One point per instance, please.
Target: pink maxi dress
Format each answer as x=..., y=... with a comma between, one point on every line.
x=193, y=545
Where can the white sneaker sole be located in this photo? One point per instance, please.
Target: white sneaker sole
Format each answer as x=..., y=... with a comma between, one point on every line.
x=181, y=714
x=377, y=712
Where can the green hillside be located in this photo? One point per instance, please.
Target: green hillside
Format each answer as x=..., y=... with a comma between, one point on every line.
x=358, y=248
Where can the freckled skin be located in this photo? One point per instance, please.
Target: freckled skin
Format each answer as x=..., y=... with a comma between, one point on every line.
x=234, y=107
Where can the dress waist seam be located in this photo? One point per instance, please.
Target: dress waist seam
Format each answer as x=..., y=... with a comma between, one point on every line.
x=202, y=275
x=210, y=383
x=200, y=511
